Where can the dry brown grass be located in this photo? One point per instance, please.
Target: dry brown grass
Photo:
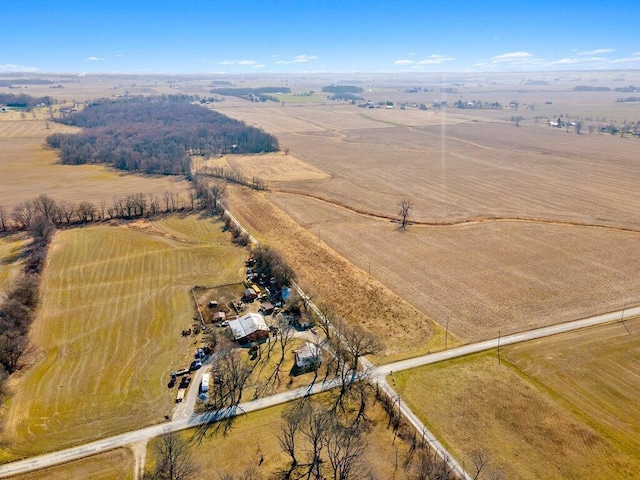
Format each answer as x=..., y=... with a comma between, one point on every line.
x=332, y=280
x=488, y=277
x=29, y=168
x=594, y=373
x=254, y=435
x=113, y=465
x=474, y=403
x=10, y=264
x=269, y=167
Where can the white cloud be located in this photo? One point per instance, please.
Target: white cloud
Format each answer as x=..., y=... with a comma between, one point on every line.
x=598, y=51
x=282, y=62
x=635, y=58
x=637, y=53
x=13, y=68
x=411, y=54
x=261, y=65
x=304, y=58
x=575, y=60
x=513, y=57
x=404, y=62
x=93, y=59
x=435, y=60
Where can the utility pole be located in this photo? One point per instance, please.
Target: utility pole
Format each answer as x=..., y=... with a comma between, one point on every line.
x=622, y=319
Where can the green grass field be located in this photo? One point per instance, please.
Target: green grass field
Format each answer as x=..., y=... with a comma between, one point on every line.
x=113, y=303
x=10, y=264
x=556, y=408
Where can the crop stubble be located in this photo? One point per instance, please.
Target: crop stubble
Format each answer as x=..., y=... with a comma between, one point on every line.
x=114, y=300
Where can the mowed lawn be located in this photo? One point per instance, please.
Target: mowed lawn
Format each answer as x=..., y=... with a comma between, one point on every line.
x=113, y=303
x=556, y=408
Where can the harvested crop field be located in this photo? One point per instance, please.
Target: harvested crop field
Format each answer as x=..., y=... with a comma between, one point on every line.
x=28, y=168
x=269, y=167
x=332, y=281
x=114, y=465
x=487, y=277
x=455, y=168
x=525, y=418
x=114, y=300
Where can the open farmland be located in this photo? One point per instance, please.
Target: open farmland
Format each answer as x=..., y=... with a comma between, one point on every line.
x=28, y=168
x=504, y=235
x=557, y=408
x=113, y=303
x=484, y=278
x=331, y=281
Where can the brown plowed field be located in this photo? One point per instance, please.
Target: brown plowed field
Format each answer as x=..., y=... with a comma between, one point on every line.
x=331, y=280
x=489, y=277
x=523, y=205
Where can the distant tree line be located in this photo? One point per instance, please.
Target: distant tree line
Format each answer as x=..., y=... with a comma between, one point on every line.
x=154, y=135
x=258, y=94
x=628, y=99
x=25, y=81
x=342, y=89
x=590, y=88
x=345, y=96
x=23, y=100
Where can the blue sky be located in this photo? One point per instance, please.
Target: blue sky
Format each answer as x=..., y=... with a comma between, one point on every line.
x=192, y=36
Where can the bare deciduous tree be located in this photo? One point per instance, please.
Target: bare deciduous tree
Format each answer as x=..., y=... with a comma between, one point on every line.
x=406, y=206
x=3, y=219
x=173, y=457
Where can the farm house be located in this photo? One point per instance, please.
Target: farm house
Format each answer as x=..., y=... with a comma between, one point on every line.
x=308, y=357
x=249, y=328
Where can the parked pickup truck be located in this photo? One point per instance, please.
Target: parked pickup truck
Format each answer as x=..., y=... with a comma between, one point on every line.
x=180, y=396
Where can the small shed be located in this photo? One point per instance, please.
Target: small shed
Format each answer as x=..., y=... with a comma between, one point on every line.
x=219, y=316
x=249, y=328
x=250, y=294
x=308, y=357
x=267, y=308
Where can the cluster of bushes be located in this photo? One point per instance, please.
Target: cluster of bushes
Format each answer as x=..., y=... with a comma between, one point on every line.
x=154, y=135
x=24, y=100
x=239, y=236
x=271, y=263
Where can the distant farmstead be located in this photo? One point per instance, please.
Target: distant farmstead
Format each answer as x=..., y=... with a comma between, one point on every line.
x=249, y=328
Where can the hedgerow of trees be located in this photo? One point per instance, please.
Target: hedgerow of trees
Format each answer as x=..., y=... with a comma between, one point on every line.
x=24, y=100
x=342, y=89
x=154, y=135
